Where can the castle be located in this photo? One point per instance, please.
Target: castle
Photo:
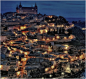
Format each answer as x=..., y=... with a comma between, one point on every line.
x=30, y=10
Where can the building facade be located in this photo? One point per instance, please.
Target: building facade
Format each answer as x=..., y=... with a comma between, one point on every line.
x=31, y=10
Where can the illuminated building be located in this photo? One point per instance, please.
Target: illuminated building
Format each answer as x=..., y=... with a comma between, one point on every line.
x=31, y=10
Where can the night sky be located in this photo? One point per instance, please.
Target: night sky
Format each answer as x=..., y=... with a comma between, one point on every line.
x=67, y=9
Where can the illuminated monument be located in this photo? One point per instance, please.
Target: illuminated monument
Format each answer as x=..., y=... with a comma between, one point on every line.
x=31, y=10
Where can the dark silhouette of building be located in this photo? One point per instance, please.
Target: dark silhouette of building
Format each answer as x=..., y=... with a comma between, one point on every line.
x=31, y=10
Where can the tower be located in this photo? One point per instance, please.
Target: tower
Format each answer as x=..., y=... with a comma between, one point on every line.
x=20, y=8
x=36, y=8
x=17, y=9
x=20, y=5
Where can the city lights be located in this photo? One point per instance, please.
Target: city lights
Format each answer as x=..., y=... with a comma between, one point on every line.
x=46, y=69
x=18, y=73
x=57, y=37
x=1, y=66
x=52, y=67
x=37, y=45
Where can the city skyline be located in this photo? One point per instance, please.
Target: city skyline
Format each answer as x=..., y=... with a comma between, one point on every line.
x=67, y=9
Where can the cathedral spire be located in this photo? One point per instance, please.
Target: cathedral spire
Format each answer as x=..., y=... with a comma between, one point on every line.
x=17, y=7
x=20, y=5
x=35, y=5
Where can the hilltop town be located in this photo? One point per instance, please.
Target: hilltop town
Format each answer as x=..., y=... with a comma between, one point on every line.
x=40, y=46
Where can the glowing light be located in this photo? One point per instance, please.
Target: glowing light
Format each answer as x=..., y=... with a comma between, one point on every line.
x=21, y=51
x=11, y=42
x=42, y=77
x=42, y=45
x=49, y=49
x=65, y=51
x=50, y=59
x=43, y=25
x=16, y=69
x=72, y=59
x=40, y=26
x=47, y=39
x=51, y=29
x=76, y=58
x=65, y=37
x=35, y=40
x=18, y=62
x=68, y=69
x=4, y=78
x=1, y=66
x=66, y=47
x=52, y=67
x=71, y=36
x=18, y=73
x=83, y=28
x=43, y=39
x=62, y=73
x=10, y=52
x=16, y=34
x=26, y=53
x=41, y=31
x=10, y=55
x=53, y=59
x=67, y=60
x=72, y=25
x=50, y=16
x=45, y=52
x=50, y=75
x=46, y=69
x=57, y=56
x=14, y=49
x=8, y=48
x=24, y=59
x=23, y=33
x=17, y=57
x=4, y=43
x=57, y=37
x=81, y=57
x=26, y=38
x=53, y=25
x=66, y=32
x=62, y=57
x=53, y=38
x=23, y=27
x=46, y=30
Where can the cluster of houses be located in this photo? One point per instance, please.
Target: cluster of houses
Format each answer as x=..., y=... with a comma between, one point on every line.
x=39, y=48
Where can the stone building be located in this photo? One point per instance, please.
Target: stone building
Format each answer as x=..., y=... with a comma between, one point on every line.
x=30, y=10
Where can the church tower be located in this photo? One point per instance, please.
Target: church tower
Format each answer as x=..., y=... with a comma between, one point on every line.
x=36, y=8
x=17, y=9
x=20, y=8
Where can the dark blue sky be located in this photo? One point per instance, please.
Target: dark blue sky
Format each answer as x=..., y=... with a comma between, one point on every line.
x=67, y=9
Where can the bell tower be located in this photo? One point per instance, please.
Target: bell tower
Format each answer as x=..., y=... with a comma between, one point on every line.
x=36, y=7
x=20, y=8
x=17, y=9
